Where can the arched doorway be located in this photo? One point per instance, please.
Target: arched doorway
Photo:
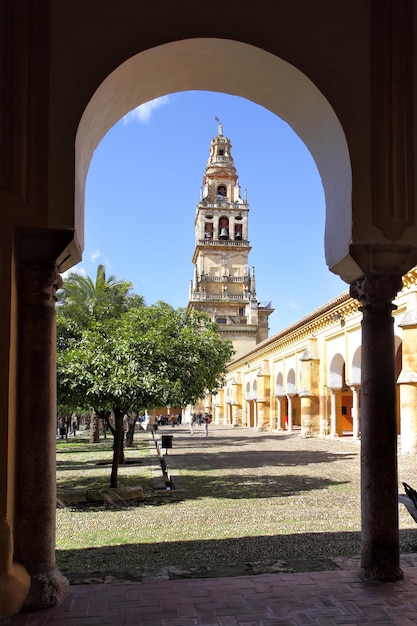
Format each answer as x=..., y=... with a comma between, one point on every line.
x=336, y=383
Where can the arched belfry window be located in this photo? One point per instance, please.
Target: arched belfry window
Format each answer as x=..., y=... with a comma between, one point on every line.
x=238, y=231
x=221, y=192
x=208, y=230
x=223, y=228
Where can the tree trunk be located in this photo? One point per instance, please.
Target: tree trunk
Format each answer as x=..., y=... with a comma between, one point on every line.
x=94, y=427
x=130, y=431
x=118, y=456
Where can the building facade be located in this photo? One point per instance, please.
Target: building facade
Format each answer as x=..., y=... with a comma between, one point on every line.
x=308, y=376
x=223, y=285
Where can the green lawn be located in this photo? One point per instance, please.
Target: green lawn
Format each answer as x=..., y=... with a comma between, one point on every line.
x=238, y=498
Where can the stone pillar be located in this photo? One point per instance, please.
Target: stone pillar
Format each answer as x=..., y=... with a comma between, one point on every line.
x=235, y=414
x=260, y=413
x=237, y=404
x=216, y=416
x=243, y=411
x=333, y=413
x=355, y=411
x=279, y=412
x=36, y=437
x=408, y=379
x=290, y=425
x=310, y=416
x=324, y=413
x=380, y=549
x=309, y=413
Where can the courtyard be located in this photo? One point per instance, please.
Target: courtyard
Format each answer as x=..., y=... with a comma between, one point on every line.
x=243, y=502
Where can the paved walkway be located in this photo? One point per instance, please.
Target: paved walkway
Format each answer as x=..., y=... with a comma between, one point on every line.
x=322, y=598
x=304, y=599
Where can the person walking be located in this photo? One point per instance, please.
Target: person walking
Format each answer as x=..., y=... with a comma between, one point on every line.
x=192, y=422
x=206, y=422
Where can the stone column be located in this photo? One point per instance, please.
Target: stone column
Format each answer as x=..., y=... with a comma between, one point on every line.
x=36, y=436
x=380, y=550
x=237, y=404
x=279, y=412
x=290, y=425
x=355, y=411
x=260, y=413
x=235, y=414
x=333, y=413
x=216, y=416
x=310, y=417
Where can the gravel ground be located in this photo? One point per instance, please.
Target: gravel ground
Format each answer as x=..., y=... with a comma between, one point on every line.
x=243, y=502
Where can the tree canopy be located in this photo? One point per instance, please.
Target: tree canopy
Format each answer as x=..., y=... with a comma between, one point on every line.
x=114, y=354
x=148, y=357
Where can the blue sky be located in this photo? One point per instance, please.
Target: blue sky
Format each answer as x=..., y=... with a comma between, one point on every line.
x=144, y=183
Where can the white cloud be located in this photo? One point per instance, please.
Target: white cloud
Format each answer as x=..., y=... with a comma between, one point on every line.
x=74, y=270
x=293, y=304
x=95, y=255
x=143, y=112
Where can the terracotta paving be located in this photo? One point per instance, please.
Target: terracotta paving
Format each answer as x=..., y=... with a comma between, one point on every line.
x=301, y=599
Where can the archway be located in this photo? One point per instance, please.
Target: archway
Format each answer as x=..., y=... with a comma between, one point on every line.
x=230, y=67
x=355, y=385
x=336, y=384
x=66, y=52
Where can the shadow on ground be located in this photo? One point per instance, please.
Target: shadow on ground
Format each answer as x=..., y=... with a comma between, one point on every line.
x=209, y=558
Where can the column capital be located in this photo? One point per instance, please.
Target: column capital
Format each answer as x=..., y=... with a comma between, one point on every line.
x=39, y=283
x=376, y=293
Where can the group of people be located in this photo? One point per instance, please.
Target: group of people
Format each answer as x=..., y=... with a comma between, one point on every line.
x=200, y=418
x=164, y=420
x=67, y=425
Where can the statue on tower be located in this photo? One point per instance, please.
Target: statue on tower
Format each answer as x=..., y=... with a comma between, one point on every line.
x=219, y=127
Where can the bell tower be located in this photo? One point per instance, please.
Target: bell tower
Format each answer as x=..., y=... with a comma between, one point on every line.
x=223, y=285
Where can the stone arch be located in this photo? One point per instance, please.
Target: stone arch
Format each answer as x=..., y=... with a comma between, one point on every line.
x=279, y=384
x=356, y=367
x=291, y=388
x=236, y=68
x=336, y=372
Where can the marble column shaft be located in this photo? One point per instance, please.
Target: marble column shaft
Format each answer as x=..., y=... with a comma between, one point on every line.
x=379, y=480
x=36, y=494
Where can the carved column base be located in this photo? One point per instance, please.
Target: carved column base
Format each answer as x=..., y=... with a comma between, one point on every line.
x=385, y=573
x=46, y=590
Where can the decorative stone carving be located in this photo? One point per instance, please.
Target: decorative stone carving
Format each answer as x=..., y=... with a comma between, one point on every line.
x=39, y=284
x=376, y=292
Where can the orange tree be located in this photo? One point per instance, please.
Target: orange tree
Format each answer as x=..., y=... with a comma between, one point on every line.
x=147, y=357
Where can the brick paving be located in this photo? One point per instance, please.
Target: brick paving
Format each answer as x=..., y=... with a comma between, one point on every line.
x=301, y=599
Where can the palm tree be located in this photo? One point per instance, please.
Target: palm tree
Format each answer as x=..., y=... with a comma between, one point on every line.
x=103, y=299
x=81, y=302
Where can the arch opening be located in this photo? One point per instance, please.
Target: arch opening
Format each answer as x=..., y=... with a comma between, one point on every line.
x=240, y=69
